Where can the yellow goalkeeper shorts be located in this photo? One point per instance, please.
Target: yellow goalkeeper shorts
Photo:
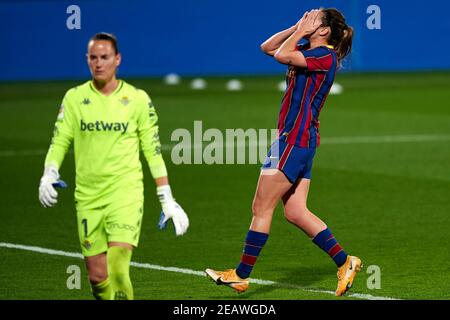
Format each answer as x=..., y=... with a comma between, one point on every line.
x=116, y=222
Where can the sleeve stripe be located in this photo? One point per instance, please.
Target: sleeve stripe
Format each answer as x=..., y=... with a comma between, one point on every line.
x=323, y=63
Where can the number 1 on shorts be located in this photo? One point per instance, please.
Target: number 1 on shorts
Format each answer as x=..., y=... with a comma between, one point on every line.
x=84, y=222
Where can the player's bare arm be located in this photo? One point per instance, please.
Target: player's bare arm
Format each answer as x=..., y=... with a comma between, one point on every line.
x=271, y=45
x=162, y=181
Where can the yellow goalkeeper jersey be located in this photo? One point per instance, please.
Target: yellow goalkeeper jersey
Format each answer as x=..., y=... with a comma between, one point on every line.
x=107, y=132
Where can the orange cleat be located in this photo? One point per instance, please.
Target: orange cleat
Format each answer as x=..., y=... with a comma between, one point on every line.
x=228, y=278
x=346, y=273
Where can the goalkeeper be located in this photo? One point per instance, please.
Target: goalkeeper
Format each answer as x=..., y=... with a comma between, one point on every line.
x=108, y=121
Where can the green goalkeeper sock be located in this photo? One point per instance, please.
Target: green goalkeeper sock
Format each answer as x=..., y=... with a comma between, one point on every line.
x=102, y=290
x=119, y=272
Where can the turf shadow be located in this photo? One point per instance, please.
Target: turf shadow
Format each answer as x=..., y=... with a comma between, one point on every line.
x=295, y=278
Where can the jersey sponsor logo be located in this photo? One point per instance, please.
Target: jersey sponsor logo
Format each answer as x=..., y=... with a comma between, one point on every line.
x=122, y=226
x=104, y=126
x=86, y=101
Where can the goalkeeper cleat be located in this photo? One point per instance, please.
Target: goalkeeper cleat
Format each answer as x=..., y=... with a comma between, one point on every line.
x=346, y=274
x=228, y=278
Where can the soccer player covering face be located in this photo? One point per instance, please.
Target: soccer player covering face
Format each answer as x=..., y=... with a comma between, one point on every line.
x=109, y=122
x=286, y=173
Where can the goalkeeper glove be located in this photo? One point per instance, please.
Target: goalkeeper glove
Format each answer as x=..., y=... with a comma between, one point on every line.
x=171, y=210
x=50, y=181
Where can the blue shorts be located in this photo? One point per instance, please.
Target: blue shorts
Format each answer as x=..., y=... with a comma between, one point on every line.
x=293, y=161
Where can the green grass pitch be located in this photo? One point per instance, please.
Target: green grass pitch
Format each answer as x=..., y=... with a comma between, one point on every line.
x=386, y=201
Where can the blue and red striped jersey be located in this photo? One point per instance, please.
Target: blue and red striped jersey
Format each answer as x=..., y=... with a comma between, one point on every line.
x=306, y=92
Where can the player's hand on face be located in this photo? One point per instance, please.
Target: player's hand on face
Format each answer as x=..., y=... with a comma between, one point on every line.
x=301, y=19
x=310, y=22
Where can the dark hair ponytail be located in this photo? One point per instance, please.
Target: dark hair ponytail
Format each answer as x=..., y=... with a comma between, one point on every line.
x=341, y=34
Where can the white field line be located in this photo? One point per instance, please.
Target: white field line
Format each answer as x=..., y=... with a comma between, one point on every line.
x=187, y=271
x=324, y=141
